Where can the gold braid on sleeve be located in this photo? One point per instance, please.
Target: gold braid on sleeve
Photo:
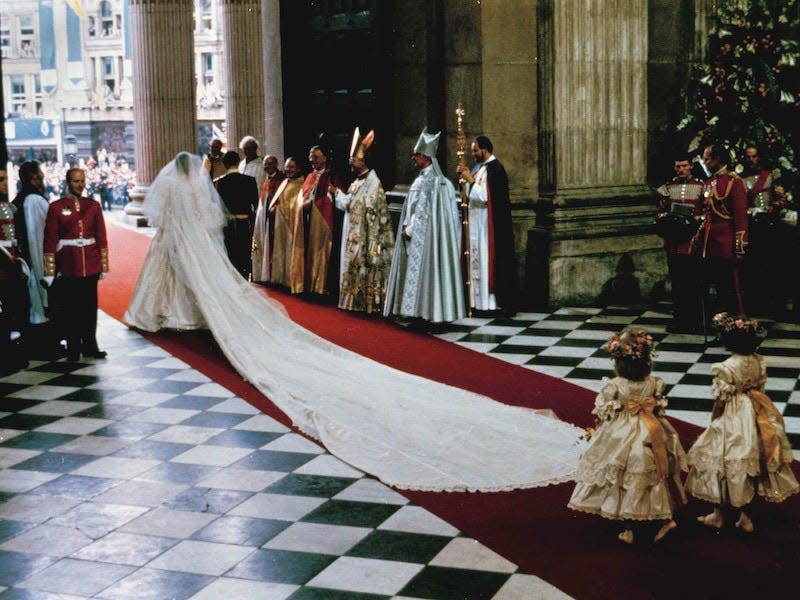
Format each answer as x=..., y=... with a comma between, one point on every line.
x=49, y=264
x=104, y=259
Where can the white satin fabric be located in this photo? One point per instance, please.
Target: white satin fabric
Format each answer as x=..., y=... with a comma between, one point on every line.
x=408, y=431
x=727, y=459
x=617, y=475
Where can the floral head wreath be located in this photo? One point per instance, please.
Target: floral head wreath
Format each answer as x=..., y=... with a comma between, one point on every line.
x=631, y=344
x=725, y=323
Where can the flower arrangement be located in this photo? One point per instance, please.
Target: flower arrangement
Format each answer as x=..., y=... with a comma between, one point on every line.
x=631, y=343
x=725, y=323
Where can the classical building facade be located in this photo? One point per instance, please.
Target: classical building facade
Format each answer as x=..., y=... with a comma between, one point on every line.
x=574, y=95
x=67, y=71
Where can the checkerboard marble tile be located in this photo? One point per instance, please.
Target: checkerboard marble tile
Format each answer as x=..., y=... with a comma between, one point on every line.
x=137, y=477
x=567, y=344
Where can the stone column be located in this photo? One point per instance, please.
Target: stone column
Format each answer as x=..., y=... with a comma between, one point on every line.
x=163, y=88
x=273, y=79
x=594, y=206
x=597, y=116
x=244, y=70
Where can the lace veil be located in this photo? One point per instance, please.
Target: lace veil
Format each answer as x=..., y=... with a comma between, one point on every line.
x=183, y=193
x=408, y=431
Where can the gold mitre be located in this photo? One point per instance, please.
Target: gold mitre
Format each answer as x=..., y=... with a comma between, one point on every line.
x=427, y=144
x=359, y=146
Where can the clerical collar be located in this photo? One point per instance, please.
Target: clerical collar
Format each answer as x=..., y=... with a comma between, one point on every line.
x=722, y=171
x=320, y=172
x=363, y=175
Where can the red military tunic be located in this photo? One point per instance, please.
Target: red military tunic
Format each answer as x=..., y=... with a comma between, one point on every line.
x=726, y=225
x=75, y=243
x=681, y=191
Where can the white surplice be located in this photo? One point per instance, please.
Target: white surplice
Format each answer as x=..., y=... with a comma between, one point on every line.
x=482, y=298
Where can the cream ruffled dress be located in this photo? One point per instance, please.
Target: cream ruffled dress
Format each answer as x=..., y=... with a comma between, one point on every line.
x=726, y=465
x=618, y=476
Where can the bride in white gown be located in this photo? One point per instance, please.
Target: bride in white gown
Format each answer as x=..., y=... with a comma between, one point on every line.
x=410, y=432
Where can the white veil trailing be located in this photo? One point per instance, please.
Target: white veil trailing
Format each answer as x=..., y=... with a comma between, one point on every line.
x=408, y=431
x=182, y=179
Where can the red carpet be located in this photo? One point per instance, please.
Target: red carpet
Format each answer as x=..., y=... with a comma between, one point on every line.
x=577, y=553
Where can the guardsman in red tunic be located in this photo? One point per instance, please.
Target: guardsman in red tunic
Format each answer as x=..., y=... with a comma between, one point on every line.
x=76, y=255
x=724, y=236
x=680, y=207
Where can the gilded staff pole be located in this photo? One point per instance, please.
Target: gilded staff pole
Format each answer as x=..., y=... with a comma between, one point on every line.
x=461, y=152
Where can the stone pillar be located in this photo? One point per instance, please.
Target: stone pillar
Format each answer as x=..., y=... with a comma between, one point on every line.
x=594, y=205
x=244, y=70
x=163, y=88
x=596, y=120
x=273, y=79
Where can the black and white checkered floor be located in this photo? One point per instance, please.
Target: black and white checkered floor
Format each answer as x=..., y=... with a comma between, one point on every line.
x=567, y=344
x=137, y=477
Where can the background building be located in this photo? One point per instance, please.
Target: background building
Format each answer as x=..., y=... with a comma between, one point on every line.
x=67, y=77
x=576, y=96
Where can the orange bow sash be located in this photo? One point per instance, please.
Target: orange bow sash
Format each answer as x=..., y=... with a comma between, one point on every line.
x=645, y=408
x=763, y=407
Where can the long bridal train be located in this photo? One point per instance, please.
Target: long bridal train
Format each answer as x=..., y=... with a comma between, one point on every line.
x=410, y=432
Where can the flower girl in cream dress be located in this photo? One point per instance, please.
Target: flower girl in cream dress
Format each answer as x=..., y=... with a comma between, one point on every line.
x=631, y=470
x=745, y=450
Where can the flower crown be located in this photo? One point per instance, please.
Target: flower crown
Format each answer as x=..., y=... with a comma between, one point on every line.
x=631, y=344
x=725, y=323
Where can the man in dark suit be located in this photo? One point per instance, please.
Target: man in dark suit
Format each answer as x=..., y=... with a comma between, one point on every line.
x=240, y=194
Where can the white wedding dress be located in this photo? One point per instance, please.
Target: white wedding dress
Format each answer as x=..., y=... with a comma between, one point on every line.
x=410, y=432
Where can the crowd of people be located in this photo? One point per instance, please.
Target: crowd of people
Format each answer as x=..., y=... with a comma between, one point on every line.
x=312, y=234
x=108, y=180
x=330, y=236
x=323, y=234
x=726, y=234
